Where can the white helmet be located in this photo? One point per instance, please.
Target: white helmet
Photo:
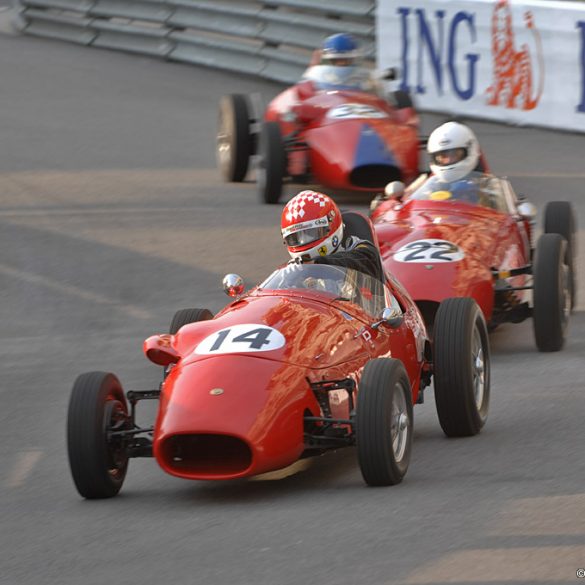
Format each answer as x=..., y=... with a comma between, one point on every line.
x=454, y=151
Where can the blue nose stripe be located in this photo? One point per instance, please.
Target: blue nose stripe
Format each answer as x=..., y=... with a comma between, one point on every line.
x=371, y=150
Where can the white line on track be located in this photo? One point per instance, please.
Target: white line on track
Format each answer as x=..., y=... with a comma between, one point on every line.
x=69, y=289
x=22, y=469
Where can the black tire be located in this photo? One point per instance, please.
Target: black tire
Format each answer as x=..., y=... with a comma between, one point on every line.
x=551, y=294
x=186, y=316
x=401, y=99
x=272, y=164
x=559, y=218
x=461, y=359
x=98, y=464
x=234, y=141
x=384, y=422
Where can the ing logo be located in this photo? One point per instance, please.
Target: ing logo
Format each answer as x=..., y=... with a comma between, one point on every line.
x=513, y=79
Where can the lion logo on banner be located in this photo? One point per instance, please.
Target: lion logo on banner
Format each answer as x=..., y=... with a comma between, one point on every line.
x=513, y=85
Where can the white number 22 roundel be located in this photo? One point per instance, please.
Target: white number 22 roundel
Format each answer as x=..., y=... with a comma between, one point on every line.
x=246, y=338
x=429, y=251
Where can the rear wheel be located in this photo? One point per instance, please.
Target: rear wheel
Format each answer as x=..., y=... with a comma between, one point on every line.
x=272, y=166
x=384, y=422
x=186, y=316
x=234, y=141
x=461, y=357
x=559, y=218
x=98, y=460
x=552, y=293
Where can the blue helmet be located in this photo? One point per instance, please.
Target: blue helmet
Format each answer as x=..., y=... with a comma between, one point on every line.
x=340, y=49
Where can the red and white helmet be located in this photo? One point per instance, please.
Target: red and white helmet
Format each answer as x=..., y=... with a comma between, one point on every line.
x=311, y=225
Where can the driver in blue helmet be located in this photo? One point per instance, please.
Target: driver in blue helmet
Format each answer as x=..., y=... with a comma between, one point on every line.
x=338, y=65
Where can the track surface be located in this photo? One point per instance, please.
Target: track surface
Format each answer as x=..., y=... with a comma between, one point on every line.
x=112, y=216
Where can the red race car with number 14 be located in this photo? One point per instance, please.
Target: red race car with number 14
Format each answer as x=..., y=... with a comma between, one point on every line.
x=314, y=358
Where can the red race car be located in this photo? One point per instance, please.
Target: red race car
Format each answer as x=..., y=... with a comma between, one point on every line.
x=316, y=357
x=473, y=238
x=332, y=133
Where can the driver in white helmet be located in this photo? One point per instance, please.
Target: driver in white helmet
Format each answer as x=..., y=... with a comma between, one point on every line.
x=456, y=163
x=454, y=151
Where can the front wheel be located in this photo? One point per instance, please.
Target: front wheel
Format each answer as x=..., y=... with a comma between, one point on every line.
x=384, y=422
x=186, y=316
x=552, y=293
x=98, y=459
x=271, y=166
x=461, y=358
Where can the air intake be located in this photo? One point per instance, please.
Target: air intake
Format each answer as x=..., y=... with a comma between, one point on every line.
x=206, y=455
x=374, y=176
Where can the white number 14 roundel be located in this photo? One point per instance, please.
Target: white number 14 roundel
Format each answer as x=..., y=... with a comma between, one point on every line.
x=247, y=338
x=429, y=251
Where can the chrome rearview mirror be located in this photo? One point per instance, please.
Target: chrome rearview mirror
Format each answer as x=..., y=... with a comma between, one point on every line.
x=233, y=285
x=527, y=210
x=391, y=316
x=395, y=190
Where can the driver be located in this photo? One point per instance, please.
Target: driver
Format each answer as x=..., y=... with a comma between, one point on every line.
x=455, y=157
x=337, y=65
x=312, y=230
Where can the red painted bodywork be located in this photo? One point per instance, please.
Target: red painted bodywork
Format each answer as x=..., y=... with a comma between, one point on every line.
x=257, y=401
x=330, y=156
x=490, y=239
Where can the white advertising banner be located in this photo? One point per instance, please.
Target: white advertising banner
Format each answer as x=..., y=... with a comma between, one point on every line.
x=506, y=60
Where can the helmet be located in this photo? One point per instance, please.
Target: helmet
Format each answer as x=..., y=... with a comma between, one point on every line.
x=340, y=50
x=311, y=225
x=454, y=151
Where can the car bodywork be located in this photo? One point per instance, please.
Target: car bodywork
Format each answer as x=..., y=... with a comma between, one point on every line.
x=316, y=357
x=340, y=139
x=246, y=380
x=443, y=245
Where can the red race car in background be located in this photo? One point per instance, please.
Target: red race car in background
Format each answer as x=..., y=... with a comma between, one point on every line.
x=314, y=358
x=326, y=131
x=473, y=238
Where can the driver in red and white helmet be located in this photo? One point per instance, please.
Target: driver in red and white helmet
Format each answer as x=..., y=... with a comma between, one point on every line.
x=312, y=229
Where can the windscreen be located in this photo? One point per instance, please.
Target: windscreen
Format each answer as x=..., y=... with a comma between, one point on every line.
x=333, y=282
x=331, y=77
x=477, y=188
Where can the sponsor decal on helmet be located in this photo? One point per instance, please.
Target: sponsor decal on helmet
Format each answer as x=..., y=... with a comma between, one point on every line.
x=323, y=251
x=335, y=241
x=304, y=225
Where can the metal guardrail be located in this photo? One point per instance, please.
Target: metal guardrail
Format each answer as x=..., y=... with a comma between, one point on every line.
x=273, y=39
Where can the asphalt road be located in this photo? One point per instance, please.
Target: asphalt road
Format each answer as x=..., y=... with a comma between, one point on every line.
x=112, y=216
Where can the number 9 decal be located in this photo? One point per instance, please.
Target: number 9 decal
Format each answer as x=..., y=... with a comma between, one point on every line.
x=429, y=251
x=241, y=339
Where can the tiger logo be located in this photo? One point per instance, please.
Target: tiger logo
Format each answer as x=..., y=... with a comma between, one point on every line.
x=513, y=82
